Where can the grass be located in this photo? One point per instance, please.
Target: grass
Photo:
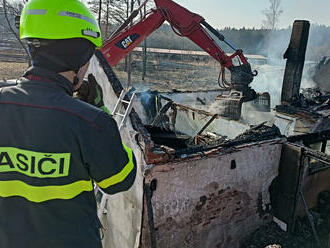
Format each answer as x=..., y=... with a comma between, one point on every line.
x=165, y=76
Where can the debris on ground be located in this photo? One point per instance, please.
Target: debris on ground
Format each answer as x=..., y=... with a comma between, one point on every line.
x=256, y=134
x=302, y=237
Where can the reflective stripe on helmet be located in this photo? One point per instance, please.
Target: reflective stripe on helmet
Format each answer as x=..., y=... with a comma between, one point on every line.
x=91, y=33
x=36, y=11
x=43, y=193
x=76, y=15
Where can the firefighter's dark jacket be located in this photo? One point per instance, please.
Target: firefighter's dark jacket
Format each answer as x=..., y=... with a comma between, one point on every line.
x=52, y=148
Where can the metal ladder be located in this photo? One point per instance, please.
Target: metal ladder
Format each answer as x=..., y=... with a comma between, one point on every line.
x=128, y=109
x=102, y=205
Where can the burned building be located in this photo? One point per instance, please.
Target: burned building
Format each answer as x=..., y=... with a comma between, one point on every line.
x=208, y=181
x=194, y=184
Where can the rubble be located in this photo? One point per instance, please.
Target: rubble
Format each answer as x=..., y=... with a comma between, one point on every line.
x=302, y=236
x=256, y=134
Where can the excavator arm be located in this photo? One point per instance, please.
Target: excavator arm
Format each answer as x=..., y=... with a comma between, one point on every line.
x=123, y=42
x=184, y=23
x=193, y=26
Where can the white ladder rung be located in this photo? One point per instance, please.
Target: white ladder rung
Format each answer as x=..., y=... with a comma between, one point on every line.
x=121, y=97
x=128, y=108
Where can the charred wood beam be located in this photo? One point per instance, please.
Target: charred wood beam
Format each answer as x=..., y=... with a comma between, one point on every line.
x=161, y=114
x=322, y=157
x=324, y=146
x=207, y=124
x=294, y=111
x=310, y=138
x=295, y=55
x=180, y=106
x=203, y=128
x=115, y=83
x=148, y=193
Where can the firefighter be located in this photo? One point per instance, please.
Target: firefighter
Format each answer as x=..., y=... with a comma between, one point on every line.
x=53, y=148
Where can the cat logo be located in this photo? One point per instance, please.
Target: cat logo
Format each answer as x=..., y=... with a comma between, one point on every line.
x=34, y=164
x=127, y=41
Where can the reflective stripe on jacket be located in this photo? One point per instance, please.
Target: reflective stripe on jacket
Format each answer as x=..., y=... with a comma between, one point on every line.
x=52, y=149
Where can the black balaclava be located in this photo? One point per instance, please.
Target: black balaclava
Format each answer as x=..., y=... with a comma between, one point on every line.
x=60, y=55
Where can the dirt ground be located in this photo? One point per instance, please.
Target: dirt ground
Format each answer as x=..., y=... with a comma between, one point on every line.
x=11, y=70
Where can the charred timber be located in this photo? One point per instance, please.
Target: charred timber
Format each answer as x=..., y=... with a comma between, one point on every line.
x=310, y=138
x=180, y=106
x=295, y=55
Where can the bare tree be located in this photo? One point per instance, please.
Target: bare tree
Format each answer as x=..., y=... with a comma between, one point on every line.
x=110, y=13
x=14, y=9
x=113, y=13
x=272, y=14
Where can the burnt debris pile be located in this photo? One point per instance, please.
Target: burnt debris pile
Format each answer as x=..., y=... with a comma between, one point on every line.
x=312, y=101
x=185, y=144
x=256, y=134
x=167, y=137
x=302, y=236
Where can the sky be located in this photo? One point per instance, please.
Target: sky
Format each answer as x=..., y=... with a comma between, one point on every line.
x=248, y=13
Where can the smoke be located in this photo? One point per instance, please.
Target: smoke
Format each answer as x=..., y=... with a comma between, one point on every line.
x=318, y=45
x=321, y=74
x=273, y=47
x=270, y=77
x=275, y=44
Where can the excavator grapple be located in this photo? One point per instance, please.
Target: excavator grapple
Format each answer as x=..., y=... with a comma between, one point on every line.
x=229, y=102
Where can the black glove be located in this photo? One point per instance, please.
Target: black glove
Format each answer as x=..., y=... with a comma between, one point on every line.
x=91, y=92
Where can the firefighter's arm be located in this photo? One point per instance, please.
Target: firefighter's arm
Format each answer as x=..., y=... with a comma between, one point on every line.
x=111, y=164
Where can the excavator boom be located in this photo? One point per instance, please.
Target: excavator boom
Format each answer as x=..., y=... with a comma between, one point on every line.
x=117, y=47
x=183, y=23
x=194, y=27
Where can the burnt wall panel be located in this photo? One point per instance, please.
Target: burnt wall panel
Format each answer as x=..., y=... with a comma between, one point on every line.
x=284, y=188
x=213, y=201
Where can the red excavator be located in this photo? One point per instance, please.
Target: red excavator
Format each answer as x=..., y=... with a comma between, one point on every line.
x=193, y=26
